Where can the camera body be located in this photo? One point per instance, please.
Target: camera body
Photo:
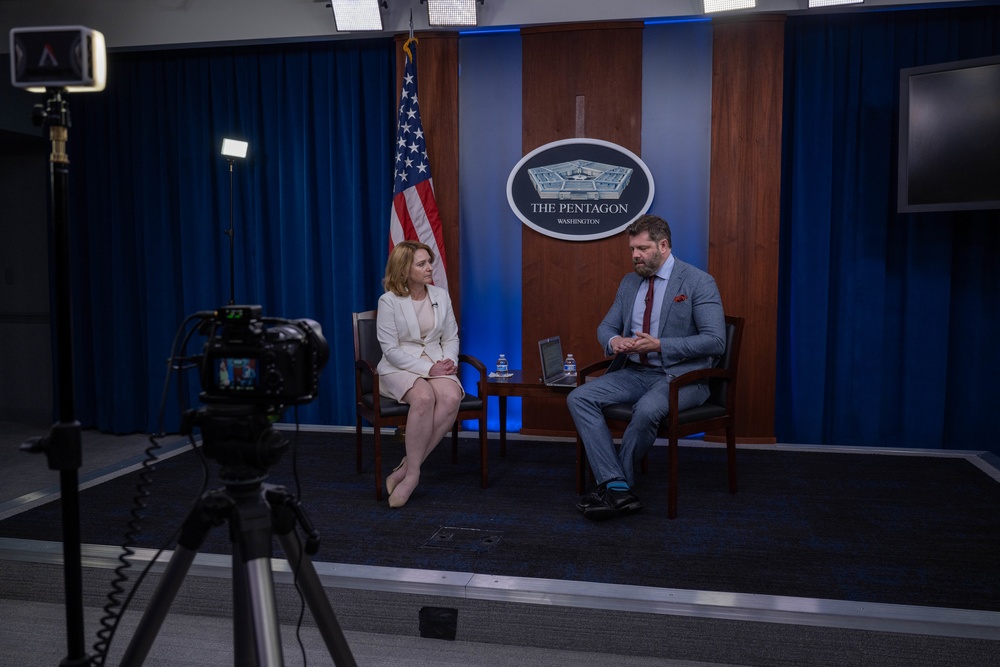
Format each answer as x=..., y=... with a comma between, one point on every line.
x=252, y=360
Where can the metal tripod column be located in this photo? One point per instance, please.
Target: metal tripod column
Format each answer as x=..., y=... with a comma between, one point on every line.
x=254, y=610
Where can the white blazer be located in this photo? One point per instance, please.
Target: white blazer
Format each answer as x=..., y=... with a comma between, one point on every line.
x=399, y=333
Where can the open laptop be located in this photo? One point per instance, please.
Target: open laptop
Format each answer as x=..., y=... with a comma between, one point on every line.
x=553, y=374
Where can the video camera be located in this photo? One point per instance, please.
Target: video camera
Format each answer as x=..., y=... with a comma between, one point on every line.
x=253, y=360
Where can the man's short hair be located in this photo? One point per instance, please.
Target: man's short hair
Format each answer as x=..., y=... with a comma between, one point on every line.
x=654, y=225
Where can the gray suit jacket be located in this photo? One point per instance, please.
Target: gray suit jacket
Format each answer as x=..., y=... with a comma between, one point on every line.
x=692, y=326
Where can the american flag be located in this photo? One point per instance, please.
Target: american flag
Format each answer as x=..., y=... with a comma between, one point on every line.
x=414, y=211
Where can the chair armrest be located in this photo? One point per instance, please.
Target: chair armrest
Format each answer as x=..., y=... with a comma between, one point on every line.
x=361, y=368
x=591, y=369
x=472, y=361
x=481, y=383
x=696, y=376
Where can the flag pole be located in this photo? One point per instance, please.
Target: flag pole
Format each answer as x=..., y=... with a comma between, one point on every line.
x=411, y=40
x=414, y=213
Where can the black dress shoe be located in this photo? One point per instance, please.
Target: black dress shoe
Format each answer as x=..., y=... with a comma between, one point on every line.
x=614, y=503
x=593, y=498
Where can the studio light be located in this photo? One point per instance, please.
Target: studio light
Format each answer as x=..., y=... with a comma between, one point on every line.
x=728, y=5
x=831, y=3
x=231, y=150
x=234, y=148
x=452, y=13
x=357, y=15
x=70, y=57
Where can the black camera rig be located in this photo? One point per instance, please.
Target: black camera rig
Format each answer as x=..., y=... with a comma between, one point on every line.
x=254, y=360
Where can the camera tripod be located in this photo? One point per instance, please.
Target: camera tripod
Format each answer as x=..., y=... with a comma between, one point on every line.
x=256, y=512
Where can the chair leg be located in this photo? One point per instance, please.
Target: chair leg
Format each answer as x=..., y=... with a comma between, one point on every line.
x=378, y=463
x=731, y=456
x=484, y=453
x=672, y=490
x=358, y=443
x=454, y=443
x=581, y=466
x=502, y=400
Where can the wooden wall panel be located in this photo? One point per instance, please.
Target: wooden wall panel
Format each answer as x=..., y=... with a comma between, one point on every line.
x=745, y=206
x=567, y=286
x=578, y=81
x=437, y=79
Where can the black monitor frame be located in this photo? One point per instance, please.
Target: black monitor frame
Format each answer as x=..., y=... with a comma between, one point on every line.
x=981, y=128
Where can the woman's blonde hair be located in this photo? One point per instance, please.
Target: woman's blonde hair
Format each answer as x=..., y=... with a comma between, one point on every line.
x=397, y=268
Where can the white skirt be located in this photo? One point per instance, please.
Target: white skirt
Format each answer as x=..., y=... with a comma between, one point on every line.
x=395, y=385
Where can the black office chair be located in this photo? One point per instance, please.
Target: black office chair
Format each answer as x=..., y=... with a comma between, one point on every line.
x=718, y=412
x=380, y=411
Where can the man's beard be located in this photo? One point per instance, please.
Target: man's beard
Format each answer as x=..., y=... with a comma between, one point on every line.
x=651, y=266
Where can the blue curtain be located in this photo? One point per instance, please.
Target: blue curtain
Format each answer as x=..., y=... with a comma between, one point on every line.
x=151, y=203
x=888, y=323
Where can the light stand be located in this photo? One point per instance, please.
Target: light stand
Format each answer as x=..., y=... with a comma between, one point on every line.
x=35, y=57
x=62, y=446
x=232, y=149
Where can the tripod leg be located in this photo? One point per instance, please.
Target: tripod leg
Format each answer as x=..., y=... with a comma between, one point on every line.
x=315, y=597
x=285, y=509
x=211, y=510
x=159, y=605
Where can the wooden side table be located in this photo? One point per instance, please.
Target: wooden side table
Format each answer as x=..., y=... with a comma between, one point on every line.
x=518, y=384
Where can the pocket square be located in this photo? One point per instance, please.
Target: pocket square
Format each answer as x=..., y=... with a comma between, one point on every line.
x=680, y=297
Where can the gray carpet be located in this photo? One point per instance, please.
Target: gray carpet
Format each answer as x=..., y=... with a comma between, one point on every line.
x=905, y=530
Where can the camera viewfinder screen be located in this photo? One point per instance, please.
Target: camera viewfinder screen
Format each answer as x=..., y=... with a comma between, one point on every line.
x=236, y=374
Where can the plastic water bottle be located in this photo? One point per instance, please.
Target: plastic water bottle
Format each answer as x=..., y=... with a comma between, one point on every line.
x=569, y=366
x=502, y=366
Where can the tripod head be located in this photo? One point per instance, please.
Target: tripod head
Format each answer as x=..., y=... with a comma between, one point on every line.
x=239, y=437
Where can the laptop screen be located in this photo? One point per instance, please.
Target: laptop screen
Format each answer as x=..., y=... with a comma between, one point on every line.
x=552, y=359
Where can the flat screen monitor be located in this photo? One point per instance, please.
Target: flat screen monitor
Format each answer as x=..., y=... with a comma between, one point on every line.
x=949, y=136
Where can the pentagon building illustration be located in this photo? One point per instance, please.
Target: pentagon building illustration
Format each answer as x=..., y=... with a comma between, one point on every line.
x=580, y=179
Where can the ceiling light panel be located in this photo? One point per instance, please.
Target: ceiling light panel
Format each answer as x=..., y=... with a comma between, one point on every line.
x=831, y=3
x=442, y=13
x=728, y=5
x=357, y=15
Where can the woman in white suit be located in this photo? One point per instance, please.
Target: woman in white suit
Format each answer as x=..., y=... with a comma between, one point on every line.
x=419, y=338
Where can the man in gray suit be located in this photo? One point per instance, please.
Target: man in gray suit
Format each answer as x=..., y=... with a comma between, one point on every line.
x=667, y=319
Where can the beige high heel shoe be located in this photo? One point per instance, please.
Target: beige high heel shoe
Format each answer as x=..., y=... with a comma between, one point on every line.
x=394, y=503
x=389, y=484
